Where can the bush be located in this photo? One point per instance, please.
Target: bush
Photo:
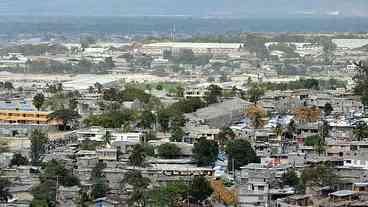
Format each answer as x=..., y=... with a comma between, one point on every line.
x=18, y=159
x=168, y=151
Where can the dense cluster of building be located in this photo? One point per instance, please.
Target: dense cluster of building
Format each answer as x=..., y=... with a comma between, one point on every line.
x=290, y=131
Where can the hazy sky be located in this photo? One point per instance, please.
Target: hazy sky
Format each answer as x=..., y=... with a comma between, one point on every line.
x=222, y=8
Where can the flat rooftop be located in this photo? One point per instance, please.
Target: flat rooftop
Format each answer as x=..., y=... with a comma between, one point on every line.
x=195, y=45
x=17, y=105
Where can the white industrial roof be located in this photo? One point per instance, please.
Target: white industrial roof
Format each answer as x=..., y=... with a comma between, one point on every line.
x=83, y=82
x=350, y=43
x=195, y=45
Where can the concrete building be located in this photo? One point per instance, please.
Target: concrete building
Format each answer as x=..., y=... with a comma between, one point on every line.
x=219, y=115
x=68, y=196
x=107, y=154
x=157, y=49
x=195, y=92
x=255, y=187
x=20, y=116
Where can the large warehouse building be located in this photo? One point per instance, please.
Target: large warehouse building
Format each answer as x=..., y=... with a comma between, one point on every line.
x=157, y=49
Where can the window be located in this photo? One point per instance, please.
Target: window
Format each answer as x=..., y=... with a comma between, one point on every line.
x=261, y=198
x=261, y=188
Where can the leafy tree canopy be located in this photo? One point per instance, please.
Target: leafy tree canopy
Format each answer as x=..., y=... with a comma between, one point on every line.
x=240, y=153
x=205, y=152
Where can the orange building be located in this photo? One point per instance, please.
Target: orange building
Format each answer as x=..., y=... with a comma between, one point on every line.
x=26, y=117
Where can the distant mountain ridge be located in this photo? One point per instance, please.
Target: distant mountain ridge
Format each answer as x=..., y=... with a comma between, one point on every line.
x=195, y=8
x=13, y=25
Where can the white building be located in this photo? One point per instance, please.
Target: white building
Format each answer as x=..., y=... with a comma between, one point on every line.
x=197, y=48
x=195, y=91
x=127, y=137
x=349, y=44
x=13, y=60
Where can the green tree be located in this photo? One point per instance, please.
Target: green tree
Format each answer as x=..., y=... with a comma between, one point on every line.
x=54, y=173
x=290, y=178
x=177, y=134
x=255, y=93
x=107, y=138
x=100, y=188
x=138, y=196
x=200, y=189
x=327, y=109
x=147, y=119
x=38, y=100
x=99, y=87
x=240, y=153
x=159, y=87
x=67, y=116
x=188, y=105
x=205, y=152
x=97, y=170
x=91, y=89
x=225, y=135
x=38, y=142
x=18, y=160
x=312, y=140
x=39, y=203
x=318, y=176
x=163, y=117
x=361, y=82
x=137, y=156
x=360, y=131
x=171, y=194
x=179, y=91
x=291, y=127
x=57, y=171
x=108, y=63
x=168, y=151
x=45, y=191
x=214, y=94
x=149, y=149
x=111, y=119
x=5, y=195
x=8, y=85
x=73, y=104
x=325, y=130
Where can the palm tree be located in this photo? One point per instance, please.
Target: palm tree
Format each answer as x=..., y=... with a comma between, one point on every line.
x=139, y=186
x=91, y=89
x=225, y=135
x=107, y=138
x=9, y=86
x=291, y=127
x=320, y=147
x=327, y=109
x=99, y=87
x=325, y=130
x=38, y=100
x=138, y=156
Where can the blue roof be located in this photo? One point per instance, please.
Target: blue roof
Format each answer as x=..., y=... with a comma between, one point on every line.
x=17, y=105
